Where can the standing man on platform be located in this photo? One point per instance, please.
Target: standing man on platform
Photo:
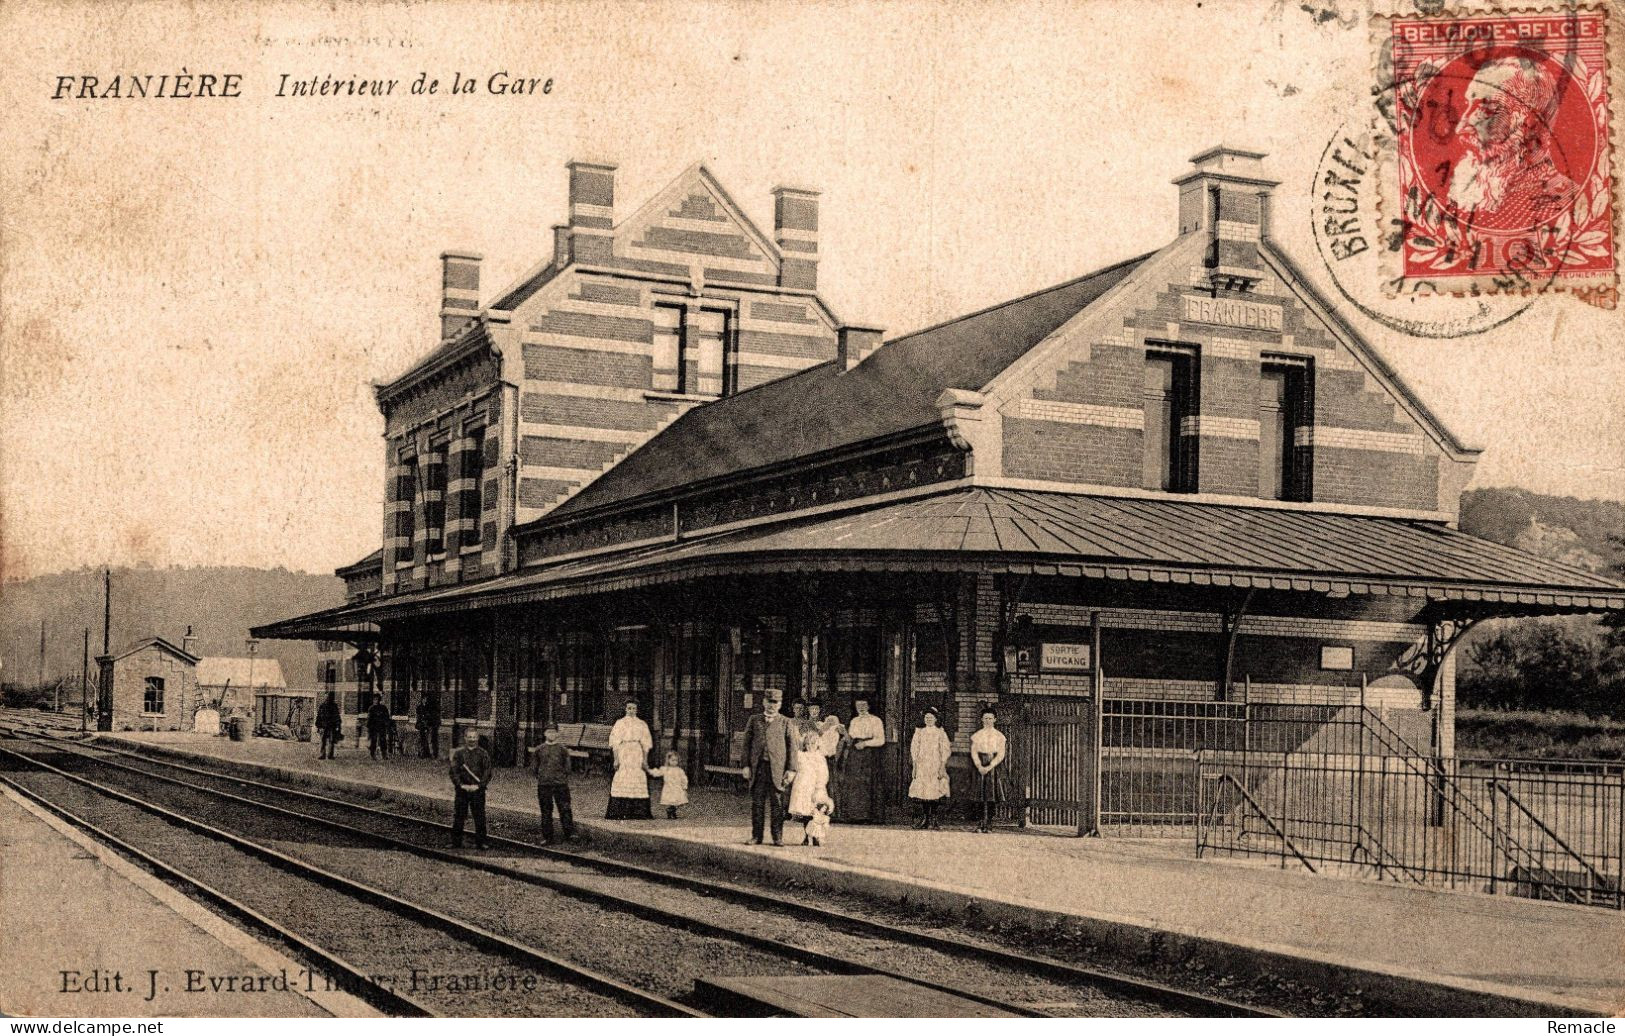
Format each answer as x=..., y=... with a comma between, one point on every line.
x=329, y=724
x=378, y=720
x=553, y=784
x=770, y=754
x=470, y=773
x=429, y=726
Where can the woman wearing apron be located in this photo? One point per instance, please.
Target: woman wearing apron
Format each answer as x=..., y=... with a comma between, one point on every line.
x=629, y=742
x=929, y=752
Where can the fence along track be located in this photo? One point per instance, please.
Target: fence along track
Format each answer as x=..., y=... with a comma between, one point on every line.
x=484, y=939
x=1147, y=991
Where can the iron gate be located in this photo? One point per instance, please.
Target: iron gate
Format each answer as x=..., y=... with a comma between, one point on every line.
x=1052, y=747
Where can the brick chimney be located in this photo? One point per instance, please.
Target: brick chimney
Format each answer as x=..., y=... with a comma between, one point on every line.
x=592, y=210
x=1226, y=196
x=189, y=643
x=561, y=245
x=795, y=229
x=854, y=344
x=459, y=290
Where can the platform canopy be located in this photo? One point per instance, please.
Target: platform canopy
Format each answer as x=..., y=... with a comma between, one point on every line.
x=1013, y=531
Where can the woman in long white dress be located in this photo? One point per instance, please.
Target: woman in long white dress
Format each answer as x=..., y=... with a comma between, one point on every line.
x=630, y=742
x=929, y=751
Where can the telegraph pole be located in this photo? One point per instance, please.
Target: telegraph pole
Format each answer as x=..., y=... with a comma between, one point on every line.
x=84, y=684
x=104, y=702
x=107, y=609
x=57, y=704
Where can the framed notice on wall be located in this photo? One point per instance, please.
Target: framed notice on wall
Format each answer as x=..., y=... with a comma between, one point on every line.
x=1063, y=658
x=1336, y=656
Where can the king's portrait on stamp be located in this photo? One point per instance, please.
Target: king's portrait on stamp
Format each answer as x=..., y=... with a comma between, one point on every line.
x=1505, y=178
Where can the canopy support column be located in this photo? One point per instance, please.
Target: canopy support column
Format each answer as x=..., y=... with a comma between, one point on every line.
x=1229, y=627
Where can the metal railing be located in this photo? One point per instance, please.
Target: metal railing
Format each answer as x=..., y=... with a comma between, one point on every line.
x=1147, y=786
x=1516, y=827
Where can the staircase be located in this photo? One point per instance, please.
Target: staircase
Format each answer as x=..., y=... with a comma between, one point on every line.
x=1394, y=812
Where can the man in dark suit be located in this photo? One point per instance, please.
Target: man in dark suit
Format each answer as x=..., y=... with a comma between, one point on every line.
x=429, y=726
x=378, y=718
x=770, y=759
x=470, y=773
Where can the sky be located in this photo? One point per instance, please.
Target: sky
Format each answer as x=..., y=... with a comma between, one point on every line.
x=196, y=294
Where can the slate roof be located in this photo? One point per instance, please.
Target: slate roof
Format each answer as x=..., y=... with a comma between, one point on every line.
x=822, y=408
x=1122, y=539
x=146, y=642
x=214, y=672
x=375, y=560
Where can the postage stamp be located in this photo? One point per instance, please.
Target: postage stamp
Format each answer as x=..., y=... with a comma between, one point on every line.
x=1500, y=175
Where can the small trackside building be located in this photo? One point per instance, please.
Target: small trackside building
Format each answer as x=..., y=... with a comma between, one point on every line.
x=1141, y=500
x=149, y=685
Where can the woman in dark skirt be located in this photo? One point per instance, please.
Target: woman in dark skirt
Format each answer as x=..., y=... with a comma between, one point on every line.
x=861, y=773
x=988, y=749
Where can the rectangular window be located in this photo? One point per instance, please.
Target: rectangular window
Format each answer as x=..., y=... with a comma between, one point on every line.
x=629, y=664
x=930, y=652
x=406, y=491
x=693, y=351
x=434, y=501
x=152, y=699
x=472, y=665
x=581, y=659
x=668, y=349
x=1170, y=394
x=473, y=476
x=1282, y=410
x=712, y=358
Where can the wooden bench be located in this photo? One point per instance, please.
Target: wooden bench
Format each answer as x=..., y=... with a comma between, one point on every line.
x=736, y=759
x=594, y=743
x=570, y=738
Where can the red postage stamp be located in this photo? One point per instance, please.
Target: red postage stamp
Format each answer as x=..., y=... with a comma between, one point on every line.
x=1503, y=150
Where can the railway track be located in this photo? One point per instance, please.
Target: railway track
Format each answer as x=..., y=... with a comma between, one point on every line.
x=717, y=927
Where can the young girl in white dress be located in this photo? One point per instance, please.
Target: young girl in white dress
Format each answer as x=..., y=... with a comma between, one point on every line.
x=673, y=785
x=811, y=785
x=929, y=752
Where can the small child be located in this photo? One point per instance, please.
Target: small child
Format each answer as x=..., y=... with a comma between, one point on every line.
x=818, y=826
x=673, y=785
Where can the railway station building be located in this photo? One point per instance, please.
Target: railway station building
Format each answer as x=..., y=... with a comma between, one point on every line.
x=1168, y=496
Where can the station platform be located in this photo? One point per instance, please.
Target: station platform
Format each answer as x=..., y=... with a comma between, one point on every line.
x=1400, y=949
x=84, y=933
